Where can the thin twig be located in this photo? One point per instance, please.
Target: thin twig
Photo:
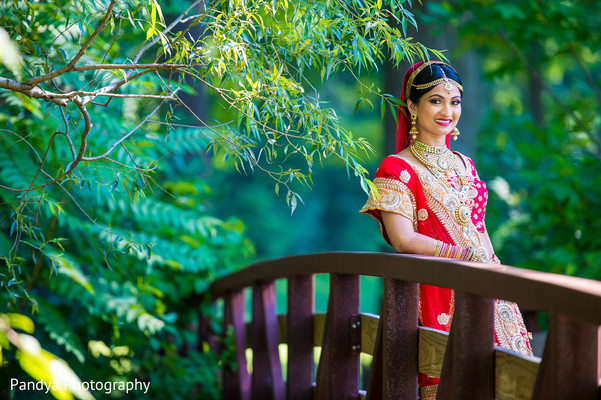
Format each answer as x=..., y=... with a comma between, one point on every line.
x=92, y=67
x=80, y=53
x=137, y=168
x=169, y=28
x=76, y=161
x=120, y=95
x=124, y=137
x=589, y=78
x=71, y=146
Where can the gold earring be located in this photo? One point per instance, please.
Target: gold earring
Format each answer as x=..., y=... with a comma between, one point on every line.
x=413, y=131
x=455, y=133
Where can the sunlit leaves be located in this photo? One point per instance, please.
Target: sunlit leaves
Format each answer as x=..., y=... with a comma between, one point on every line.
x=261, y=58
x=40, y=364
x=9, y=55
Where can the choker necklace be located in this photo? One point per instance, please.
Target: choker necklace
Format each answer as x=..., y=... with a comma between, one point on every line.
x=439, y=158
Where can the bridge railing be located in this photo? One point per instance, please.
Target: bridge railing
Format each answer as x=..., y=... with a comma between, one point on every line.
x=466, y=359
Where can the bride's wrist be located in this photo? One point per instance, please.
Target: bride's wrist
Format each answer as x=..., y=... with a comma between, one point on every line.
x=456, y=252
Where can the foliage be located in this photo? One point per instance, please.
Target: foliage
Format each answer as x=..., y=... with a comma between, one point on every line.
x=541, y=60
x=39, y=363
x=105, y=233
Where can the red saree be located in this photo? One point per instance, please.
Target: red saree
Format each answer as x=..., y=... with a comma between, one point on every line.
x=432, y=204
x=435, y=303
x=414, y=193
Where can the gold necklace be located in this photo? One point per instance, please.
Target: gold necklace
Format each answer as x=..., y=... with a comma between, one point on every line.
x=434, y=157
x=440, y=159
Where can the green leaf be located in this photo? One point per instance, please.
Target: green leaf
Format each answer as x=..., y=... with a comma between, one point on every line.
x=153, y=15
x=18, y=321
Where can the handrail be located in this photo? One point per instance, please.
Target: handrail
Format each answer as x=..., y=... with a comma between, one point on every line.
x=471, y=368
x=577, y=297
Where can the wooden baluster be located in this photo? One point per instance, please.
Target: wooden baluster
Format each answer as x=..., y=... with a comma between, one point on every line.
x=468, y=370
x=400, y=315
x=376, y=372
x=300, y=337
x=236, y=384
x=267, y=380
x=338, y=369
x=569, y=368
x=394, y=366
x=204, y=331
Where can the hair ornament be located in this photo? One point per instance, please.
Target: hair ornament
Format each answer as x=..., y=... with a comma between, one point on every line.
x=448, y=83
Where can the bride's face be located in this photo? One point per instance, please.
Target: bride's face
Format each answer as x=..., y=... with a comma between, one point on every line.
x=438, y=112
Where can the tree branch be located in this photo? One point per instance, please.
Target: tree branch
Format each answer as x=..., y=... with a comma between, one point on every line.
x=31, y=91
x=589, y=78
x=75, y=162
x=44, y=157
x=80, y=53
x=124, y=137
x=60, y=98
x=155, y=66
x=96, y=94
x=71, y=146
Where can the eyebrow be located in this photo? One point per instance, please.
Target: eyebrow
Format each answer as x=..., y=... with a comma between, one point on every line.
x=437, y=95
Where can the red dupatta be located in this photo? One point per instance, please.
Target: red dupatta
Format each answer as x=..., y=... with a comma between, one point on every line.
x=403, y=122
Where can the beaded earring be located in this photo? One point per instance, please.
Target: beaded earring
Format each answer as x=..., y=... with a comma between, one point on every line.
x=413, y=131
x=455, y=133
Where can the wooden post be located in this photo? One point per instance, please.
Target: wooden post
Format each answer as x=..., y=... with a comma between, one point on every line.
x=236, y=383
x=468, y=370
x=400, y=319
x=394, y=366
x=570, y=364
x=338, y=369
x=267, y=380
x=300, y=337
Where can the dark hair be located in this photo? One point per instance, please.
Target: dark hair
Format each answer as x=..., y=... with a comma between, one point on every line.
x=430, y=74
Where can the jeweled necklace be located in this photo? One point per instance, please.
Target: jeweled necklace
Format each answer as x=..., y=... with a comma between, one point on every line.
x=434, y=157
x=439, y=159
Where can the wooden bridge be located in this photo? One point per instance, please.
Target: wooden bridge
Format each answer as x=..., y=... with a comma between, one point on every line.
x=467, y=361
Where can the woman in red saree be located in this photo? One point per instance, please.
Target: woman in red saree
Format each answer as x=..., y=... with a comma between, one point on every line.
x=431, y=200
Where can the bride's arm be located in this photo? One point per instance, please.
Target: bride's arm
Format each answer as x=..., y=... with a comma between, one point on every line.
x=404, y=239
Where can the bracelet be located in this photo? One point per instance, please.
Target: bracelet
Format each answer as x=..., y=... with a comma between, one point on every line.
x=476, y=257
x=446, y=250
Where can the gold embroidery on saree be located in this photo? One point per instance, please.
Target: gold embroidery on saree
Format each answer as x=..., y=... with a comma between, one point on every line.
x=394, y=197
x=510, y=330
